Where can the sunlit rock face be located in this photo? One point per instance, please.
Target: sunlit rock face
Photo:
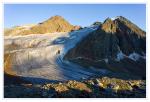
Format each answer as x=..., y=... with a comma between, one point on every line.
x=117, y=40
x=109, y=26
x=51, y=25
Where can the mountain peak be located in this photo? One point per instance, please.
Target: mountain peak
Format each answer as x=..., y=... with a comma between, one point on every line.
x=117, y=17
x=97, y=23
x=109, y=26
x=108, y=20
x=114, y=18
x=130, y=26
x=56, y=17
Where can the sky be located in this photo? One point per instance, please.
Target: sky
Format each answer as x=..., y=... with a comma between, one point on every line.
x=76, y=14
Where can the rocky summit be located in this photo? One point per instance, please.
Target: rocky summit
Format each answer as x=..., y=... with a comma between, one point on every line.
x=117, y=45
x=51, y=25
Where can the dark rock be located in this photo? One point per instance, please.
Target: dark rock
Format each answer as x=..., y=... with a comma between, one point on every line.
x=110, y=39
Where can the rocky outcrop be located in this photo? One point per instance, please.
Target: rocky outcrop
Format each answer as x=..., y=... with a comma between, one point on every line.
x=77, y=27
x=104, y=87
x=111, y=46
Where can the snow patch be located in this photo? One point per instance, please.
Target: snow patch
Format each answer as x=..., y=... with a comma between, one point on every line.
x=72, y=37
x=120, y=56
x=70, y=43
x=106, y=60
x=134, y=56
x=114, y=18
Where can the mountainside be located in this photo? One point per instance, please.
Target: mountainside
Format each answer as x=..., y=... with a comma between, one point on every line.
x=53, y=24
x=117, y=45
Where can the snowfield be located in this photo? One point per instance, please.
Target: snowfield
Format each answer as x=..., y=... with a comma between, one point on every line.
x=41, y=55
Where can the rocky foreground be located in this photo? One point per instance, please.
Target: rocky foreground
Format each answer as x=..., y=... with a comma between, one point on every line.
x=104, y=87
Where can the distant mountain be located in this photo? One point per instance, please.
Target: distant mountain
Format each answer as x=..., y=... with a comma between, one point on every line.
x=16, y=30
x=53, y=24
x=117, y=45
x=97, y=23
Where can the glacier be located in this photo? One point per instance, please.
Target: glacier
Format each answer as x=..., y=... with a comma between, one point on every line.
x=36, y=55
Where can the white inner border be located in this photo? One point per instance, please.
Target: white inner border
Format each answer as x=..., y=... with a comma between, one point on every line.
x=76, y=2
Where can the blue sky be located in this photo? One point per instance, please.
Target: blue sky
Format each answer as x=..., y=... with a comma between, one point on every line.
x=76, y=14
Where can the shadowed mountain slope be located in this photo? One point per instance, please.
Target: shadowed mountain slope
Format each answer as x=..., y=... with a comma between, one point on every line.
x=117, y=45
